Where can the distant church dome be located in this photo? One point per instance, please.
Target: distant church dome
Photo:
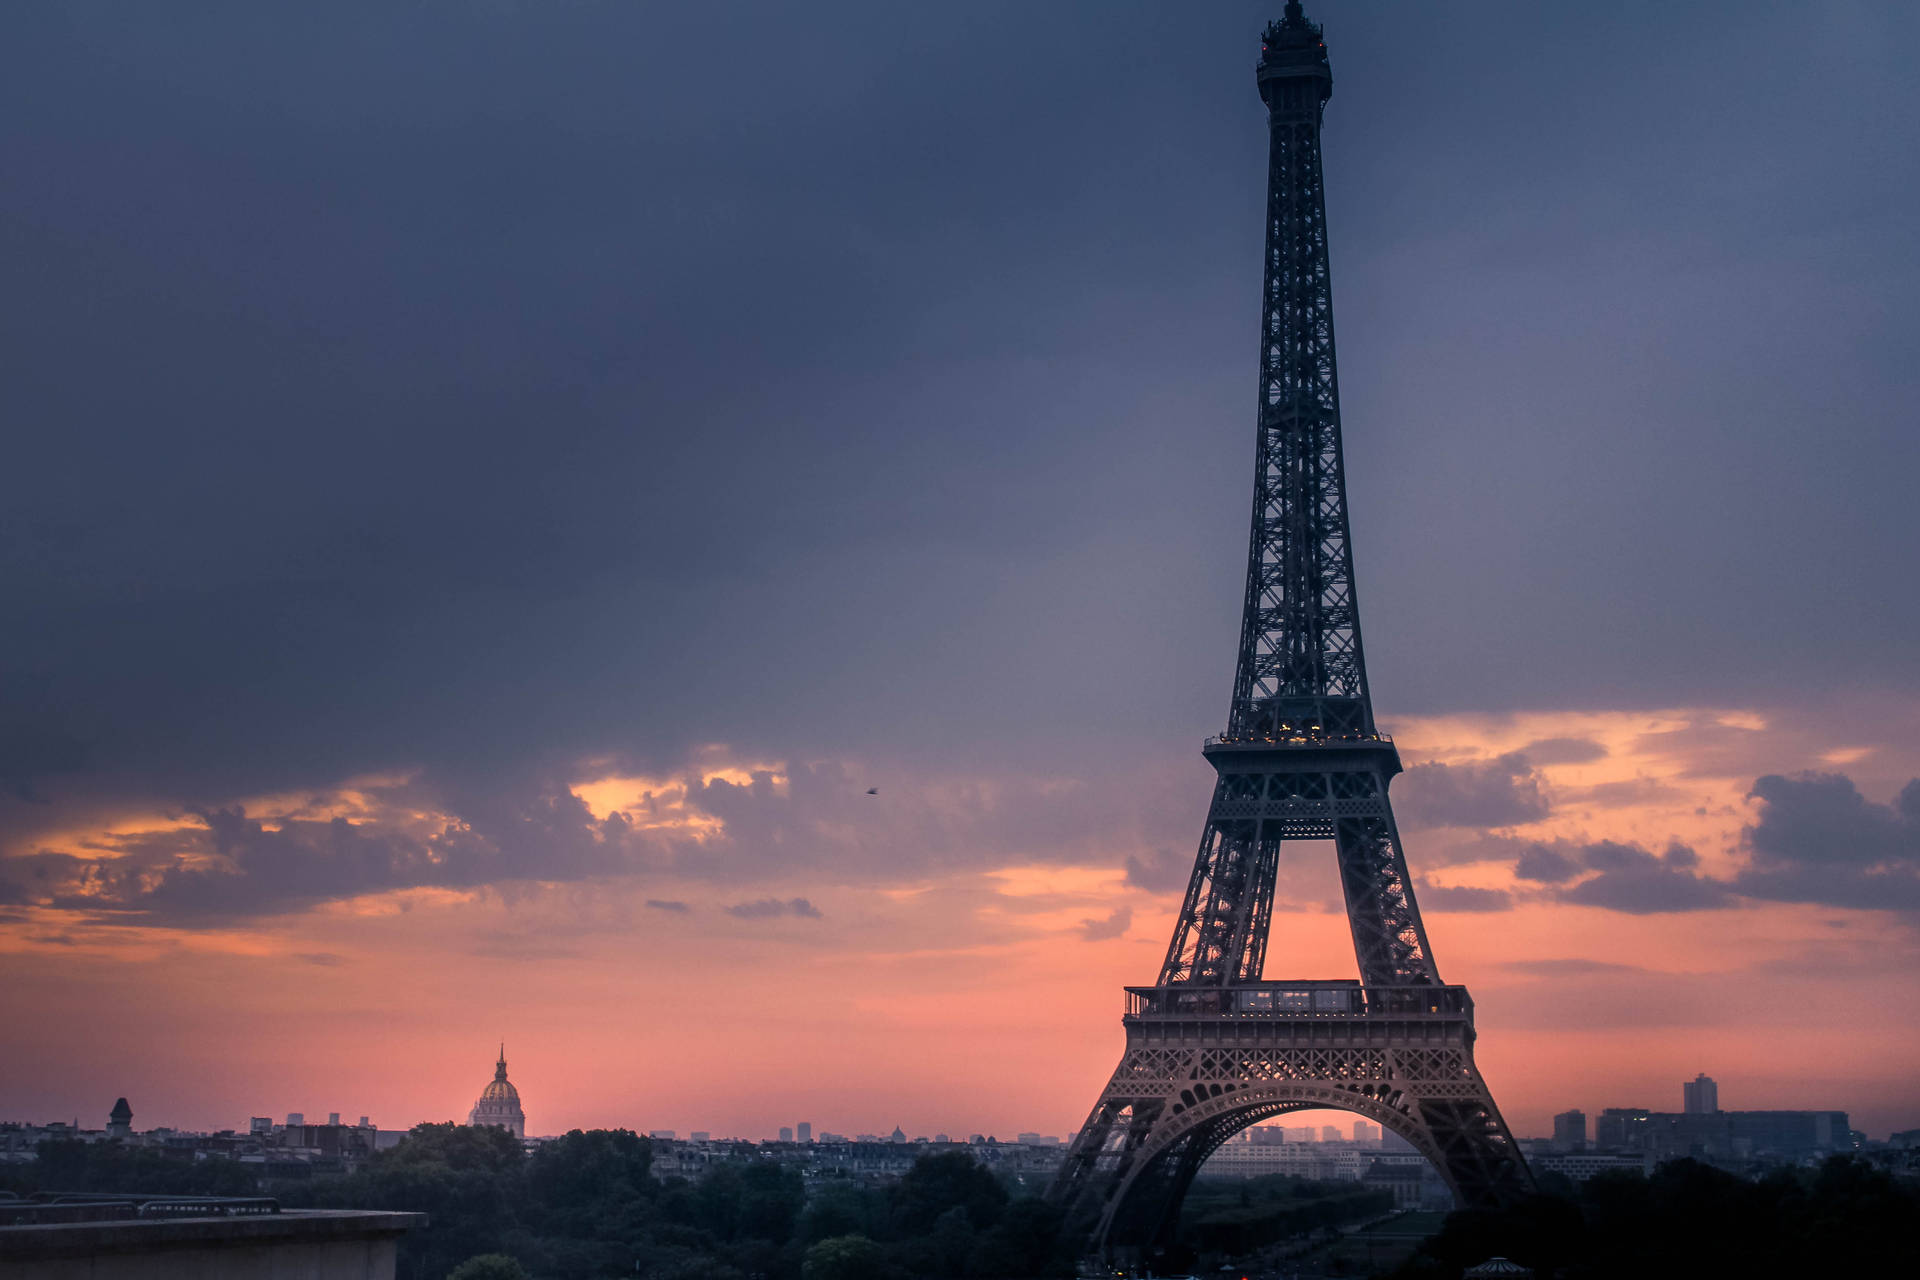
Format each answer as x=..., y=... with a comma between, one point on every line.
x=500, y=1102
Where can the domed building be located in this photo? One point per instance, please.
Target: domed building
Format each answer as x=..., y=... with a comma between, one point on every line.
x=500, y=1102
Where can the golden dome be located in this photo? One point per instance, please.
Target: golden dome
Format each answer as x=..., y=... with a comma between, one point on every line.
x=499, y=1102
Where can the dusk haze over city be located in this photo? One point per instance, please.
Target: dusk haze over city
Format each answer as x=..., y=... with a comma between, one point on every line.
x=686, y=569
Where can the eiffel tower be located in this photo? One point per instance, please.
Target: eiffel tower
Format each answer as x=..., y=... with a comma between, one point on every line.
x=1214, y=1045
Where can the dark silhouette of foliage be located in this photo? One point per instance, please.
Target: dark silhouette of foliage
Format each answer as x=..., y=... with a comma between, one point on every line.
x=936, y=1184
x=1690, y=1220
x=845, y=1258
x=1239, y=1217
x=65, y=1165
x=586, y=1205
x=459, y=1147
x=489, y=1266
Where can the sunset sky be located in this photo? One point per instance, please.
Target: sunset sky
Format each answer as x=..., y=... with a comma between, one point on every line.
x=490, y=487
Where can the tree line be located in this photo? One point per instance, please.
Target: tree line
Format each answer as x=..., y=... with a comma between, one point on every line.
x=1687, y=1220
x=586, y=1205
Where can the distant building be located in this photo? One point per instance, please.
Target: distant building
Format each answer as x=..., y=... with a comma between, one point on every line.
x=898, y=1135
x=665, y=1135
x=1793, y=1135
x=1327, y=1162
x=1365, y=1133
x=1700, y=1096
x=1621, y=1128
x=1581, y=1165
x=259, y=1126
x=1329, y=1133
x=786, y=1133
x=499, y=1102
x=803, y=1132
x=296, y=1118
x=120, y=1120
x=1570, y=1131
x=698, y=1135
x=1414, y=1184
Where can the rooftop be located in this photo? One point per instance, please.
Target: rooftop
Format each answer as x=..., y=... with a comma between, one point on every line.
x=52, y=1225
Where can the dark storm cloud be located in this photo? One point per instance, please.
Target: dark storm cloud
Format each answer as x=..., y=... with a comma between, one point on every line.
x=1618, y=877
x=1162, y=872
x=1563, y=751
x=1116, y=923
x=250, y=867
x=1501, y=792
x=30, y=751
x=765, y=908
x=1818, y=839
x=479, y=389
x=810, y=820
x=1545, y=865
x=1464, y=898
x=1638, y=882
x=1571, y=966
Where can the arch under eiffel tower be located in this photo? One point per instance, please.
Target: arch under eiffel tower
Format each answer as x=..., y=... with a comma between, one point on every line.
x=1214, y=1046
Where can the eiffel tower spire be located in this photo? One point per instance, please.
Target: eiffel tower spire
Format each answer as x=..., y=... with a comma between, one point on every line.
x=1300, y=758
x=1214, y=1045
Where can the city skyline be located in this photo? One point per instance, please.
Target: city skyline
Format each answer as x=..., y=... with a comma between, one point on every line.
x=1304, y=1127
x=536, y=549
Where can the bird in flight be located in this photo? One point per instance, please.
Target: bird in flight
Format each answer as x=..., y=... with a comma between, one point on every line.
x=873, y=791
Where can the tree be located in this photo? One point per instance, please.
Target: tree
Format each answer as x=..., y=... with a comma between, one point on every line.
x=841, y=1210
x=489, y=1266
x=771, y=1198
x=580, y=1168
x=844, y=1258
x=936, y=1184
x=1025, y=1242
x=460, y=1147
x=65, y=1165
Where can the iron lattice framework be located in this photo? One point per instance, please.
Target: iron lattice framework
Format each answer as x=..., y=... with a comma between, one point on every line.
x=1214, y=1047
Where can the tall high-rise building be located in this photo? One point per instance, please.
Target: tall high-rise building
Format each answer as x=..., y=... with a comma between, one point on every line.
x=1329, y=1133
x=1570, y=1131
x=804, y=1131
x=1700, y=1096
x=1364, y=1132
x=786, y=1133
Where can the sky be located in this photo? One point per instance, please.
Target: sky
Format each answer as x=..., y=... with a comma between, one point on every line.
x=703, y=542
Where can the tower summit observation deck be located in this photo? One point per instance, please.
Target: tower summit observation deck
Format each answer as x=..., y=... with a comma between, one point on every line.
x=1214, y=1045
